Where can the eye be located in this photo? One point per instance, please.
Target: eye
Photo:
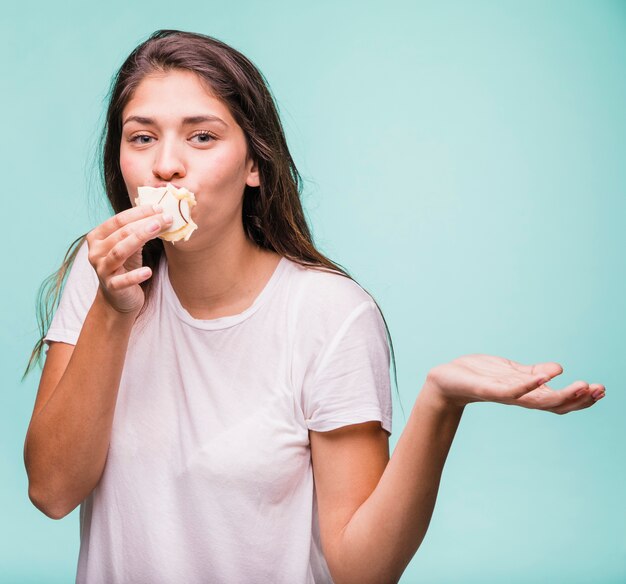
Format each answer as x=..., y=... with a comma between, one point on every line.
x=203, y=137
x=140, y=139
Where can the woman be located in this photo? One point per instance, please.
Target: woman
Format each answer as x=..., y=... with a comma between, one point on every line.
x=220, y=407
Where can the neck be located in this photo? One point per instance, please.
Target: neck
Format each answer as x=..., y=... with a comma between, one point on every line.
x=220, y=278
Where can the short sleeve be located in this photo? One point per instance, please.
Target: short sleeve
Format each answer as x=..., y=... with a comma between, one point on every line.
x=78, y=295
x=351, y=382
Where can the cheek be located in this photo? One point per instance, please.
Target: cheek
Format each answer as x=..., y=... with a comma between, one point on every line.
x=227, y=170
x=131, y=175
x=129, y=168
x=126, y=166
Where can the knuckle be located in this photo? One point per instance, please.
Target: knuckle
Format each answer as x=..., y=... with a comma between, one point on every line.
x=118, y=223
x=142, y=238
x=434, y=373
x=95, y=259
x=116, y=254
x=113, y=284
x=126, y=231
x=93, y=250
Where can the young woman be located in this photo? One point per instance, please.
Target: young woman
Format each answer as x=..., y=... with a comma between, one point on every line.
x=220, y=407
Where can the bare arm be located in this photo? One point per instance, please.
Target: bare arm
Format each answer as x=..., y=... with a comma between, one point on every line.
x=375, y=542
x=68, y=438
x=373, y=517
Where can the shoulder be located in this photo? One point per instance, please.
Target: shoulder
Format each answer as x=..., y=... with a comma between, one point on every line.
x=323, y=303
x=327, y=292
x=77, y=295
x=340, y=351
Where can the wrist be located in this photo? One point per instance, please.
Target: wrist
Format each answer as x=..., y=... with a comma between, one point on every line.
x=110, y=313
x=432, y=394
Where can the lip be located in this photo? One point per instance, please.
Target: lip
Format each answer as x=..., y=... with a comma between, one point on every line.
x=159, y=186
x=163, y=185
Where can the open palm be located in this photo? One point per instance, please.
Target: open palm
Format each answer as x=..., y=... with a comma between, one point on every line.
x=473, y=378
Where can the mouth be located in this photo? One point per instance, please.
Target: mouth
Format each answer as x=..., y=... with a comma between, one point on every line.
x=162, y=185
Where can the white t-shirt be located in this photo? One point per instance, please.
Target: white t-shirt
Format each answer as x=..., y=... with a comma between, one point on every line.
x=208, y=476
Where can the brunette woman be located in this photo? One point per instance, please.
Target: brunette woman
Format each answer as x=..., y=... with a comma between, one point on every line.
x=220, y=408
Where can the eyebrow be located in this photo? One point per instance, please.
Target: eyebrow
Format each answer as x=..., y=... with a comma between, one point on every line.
x=186, y=121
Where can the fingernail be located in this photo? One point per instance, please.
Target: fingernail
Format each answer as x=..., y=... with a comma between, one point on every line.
x=154, y=226
x=157, y=208
x=597, y=393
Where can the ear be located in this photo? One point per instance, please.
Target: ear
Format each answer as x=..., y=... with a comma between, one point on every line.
x=253, y=179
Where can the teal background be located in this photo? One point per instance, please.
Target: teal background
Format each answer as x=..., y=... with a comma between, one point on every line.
x=466, y=161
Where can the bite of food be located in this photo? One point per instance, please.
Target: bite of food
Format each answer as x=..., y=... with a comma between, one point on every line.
x=176, y=202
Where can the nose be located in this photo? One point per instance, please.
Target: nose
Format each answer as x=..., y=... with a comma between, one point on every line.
x=168, y=163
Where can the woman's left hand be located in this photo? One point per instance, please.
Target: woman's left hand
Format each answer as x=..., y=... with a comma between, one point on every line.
x=473, y=378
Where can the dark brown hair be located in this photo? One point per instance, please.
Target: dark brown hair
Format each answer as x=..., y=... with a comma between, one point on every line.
x=272, y=213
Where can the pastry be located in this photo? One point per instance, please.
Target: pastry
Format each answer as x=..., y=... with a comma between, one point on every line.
x=176, y=202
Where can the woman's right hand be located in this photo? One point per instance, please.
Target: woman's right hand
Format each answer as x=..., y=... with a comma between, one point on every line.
x=115, y=254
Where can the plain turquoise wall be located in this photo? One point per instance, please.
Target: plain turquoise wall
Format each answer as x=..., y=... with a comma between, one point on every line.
x=465, y=160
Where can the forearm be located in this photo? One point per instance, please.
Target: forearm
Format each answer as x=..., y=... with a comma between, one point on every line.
x=68, y=440
x=386, y=531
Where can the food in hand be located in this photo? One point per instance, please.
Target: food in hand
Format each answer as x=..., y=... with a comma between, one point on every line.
x=176, y=202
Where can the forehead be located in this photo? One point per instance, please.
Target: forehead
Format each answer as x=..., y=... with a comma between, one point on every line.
x=175, y=93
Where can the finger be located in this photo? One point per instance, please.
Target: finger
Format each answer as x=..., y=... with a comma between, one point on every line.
x=583, y=401
x=135, y=239
x=141, y=226
x=548, y=399
x=578, y=395
x=124, y=218
x=535, y=377
x=581, y=404
x=129, y=279
x=597, y=391
x=592, y=389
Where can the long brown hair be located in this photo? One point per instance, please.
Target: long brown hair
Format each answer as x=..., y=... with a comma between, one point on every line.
x=272, y=213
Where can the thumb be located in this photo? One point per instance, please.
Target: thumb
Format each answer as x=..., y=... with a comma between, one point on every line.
x=544, y=372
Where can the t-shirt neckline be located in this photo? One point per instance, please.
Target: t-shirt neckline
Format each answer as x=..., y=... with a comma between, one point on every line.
x=222, y=322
